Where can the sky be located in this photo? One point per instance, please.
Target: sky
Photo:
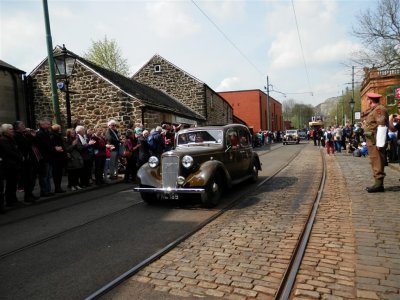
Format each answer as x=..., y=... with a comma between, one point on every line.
x=303, y=47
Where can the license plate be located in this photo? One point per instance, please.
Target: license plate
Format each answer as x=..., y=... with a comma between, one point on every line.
x=170, y=196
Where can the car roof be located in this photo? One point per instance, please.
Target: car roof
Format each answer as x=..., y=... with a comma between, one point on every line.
x=222, y=127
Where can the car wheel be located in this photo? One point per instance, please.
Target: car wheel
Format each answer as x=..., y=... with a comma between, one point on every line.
x=254, y=173
x=149, y=198
x=213, y=192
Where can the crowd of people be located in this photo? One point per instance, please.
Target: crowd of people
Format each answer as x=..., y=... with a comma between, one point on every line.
x=352, y=139
x=86, y=155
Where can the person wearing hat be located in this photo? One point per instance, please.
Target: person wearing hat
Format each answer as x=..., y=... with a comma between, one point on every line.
x=394, y=125
x=376, y=115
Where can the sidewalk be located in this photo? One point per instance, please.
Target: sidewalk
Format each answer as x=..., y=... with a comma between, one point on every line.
x=55, y=196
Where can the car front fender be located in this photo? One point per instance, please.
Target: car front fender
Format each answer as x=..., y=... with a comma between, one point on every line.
x=149, y=176
x=206, y=172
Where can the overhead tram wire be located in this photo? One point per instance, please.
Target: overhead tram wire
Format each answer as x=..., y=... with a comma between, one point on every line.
x=301, y=46
x=228, y=39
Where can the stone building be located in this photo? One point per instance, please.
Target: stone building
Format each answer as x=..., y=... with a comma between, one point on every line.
x=98, y=95
x=190, y=91
x=12, y=94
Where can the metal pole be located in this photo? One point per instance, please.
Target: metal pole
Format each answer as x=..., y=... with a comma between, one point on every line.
x=68, y=104
x=52, y=71
x=267, y=103
x=352, y=88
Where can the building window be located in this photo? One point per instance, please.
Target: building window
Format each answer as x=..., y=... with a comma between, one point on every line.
x=157, y=69
x=390, y=100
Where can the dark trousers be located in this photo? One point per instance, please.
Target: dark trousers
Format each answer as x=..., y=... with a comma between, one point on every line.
x=29, y=176
x=11, y=187
x=131, y=168
x=99, y=163
x=1, y=190
x=73, y=177
x=45, y=175
x=58, y=168
x=86, y=172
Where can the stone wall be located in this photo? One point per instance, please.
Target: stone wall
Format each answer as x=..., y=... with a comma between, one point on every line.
x=219, y=111
x=186, y=89
x=93, y=99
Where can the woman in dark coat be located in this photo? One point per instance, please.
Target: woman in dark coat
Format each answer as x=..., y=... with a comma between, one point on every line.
x=12, y=163
x=59, y=158
x=86, y=151
x=100, y=154
x=74, y=160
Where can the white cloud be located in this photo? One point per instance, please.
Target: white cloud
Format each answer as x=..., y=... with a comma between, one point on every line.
x=169, y=19
x=228, y=84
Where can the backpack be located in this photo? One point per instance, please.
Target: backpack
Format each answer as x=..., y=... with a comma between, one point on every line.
x=151, y=140
x=329, y=136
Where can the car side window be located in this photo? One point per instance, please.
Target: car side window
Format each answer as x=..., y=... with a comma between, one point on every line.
x=232, y=138
x=244, y=138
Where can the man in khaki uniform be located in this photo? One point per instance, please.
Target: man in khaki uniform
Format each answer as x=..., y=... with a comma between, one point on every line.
x=376, y=115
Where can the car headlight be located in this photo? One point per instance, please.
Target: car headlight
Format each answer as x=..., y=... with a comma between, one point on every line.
x=153, y=161
x=187, y=161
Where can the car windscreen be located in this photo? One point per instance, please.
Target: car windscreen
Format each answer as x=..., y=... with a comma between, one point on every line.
x=291, y=132
x=211, y=136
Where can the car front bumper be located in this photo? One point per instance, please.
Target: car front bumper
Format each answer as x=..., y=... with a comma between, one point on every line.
x=170, y=190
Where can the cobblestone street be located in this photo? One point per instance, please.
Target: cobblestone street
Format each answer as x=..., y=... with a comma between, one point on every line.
x=353, y=251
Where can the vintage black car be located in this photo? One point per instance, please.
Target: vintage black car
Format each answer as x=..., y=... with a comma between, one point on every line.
x=205, y=161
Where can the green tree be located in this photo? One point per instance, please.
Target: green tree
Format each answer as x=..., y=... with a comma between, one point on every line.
x=379, y=31
x=107, y=54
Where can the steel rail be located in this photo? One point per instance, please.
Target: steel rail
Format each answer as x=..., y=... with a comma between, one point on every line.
x=63, y=232
x=63, y=205
x=135, y=269
x=286, y=285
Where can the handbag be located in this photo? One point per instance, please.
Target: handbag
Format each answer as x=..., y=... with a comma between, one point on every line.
x=127, y=153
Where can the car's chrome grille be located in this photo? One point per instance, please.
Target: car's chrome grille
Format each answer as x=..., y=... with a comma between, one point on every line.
x=170, y=169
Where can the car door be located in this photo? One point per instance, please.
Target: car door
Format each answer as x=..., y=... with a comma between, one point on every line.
x=245, y=149
x=233, y=156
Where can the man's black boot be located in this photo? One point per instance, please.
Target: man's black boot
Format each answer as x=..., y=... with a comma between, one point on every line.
x=375, y=189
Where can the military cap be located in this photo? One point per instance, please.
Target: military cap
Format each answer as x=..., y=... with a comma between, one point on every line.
x=374, y=95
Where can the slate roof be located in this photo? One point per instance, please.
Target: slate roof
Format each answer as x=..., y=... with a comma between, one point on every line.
x=4, y=65
x=151, y=97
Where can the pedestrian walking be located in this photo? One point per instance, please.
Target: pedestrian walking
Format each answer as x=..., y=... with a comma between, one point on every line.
x=329, y=143
x=374, y=117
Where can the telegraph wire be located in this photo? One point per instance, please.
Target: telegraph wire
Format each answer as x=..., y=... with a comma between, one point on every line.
x=301, y=46
x=227, y=38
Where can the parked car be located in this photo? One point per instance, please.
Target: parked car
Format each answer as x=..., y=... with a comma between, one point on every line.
x=291, y=136
x=302, y=135
x=205, y=161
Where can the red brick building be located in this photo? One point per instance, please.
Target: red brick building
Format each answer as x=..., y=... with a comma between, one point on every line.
x=384, y=82
x=251, y=107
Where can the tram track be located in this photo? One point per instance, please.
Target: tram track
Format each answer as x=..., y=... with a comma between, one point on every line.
x=135, y=269
x=64, y=232
x=237, y=196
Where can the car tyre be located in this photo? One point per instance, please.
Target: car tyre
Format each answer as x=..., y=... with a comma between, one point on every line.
x=149, y=198
x=213, y=192
x=254, y=173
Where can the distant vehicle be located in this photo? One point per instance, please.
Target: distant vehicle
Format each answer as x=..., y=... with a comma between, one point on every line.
x=205, y=161
x=291, y=136
x=303, y=135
